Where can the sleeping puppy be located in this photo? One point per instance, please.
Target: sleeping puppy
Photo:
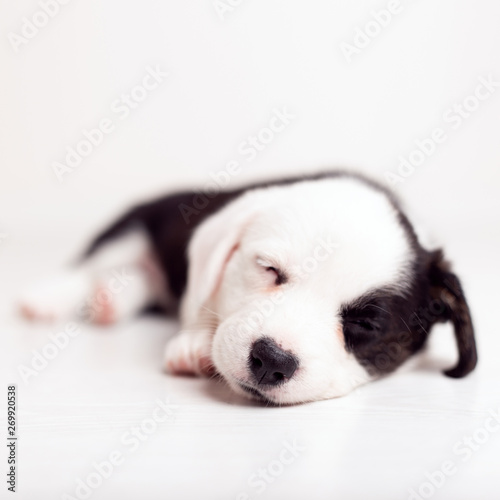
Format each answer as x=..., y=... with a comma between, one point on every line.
x=294, y=290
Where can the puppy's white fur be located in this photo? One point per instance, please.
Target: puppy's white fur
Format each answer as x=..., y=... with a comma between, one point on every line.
x=95, y=290
x=284, y=225
x=335, y=240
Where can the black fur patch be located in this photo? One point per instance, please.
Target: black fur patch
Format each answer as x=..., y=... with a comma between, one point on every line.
x=382, y=328
x=171, y=220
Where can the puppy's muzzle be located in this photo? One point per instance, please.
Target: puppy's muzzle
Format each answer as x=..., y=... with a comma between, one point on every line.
x=269, y=364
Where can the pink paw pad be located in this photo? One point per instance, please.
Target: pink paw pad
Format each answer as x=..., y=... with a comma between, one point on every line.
x=103, y=310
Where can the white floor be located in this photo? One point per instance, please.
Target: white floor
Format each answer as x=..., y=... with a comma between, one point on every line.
x=387, y=441
x=379, y=443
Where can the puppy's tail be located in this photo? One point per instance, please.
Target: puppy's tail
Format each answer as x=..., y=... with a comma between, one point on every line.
x=125, y=223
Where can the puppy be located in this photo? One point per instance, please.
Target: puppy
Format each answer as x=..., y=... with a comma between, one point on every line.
x=294, y=290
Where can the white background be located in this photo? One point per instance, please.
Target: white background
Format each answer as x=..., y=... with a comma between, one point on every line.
x=226, y=76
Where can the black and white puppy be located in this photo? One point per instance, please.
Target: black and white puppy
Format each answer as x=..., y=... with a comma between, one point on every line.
x=292, y=291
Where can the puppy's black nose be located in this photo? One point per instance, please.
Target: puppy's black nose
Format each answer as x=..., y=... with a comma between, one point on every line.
x=270, y=364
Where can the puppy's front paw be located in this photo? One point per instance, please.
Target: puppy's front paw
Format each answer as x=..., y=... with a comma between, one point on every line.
x=190, y=353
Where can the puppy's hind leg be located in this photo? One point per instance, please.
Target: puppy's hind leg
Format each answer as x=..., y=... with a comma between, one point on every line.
x=116, y=281
x=56, y=298
x=122, y=292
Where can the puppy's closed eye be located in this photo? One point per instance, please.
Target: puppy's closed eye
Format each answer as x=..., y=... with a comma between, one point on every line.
x=362, y=321
x=361, y=329
x=276, y=275
x=365, y=324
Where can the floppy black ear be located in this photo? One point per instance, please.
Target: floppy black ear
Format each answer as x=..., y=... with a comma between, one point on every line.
x=447, y=290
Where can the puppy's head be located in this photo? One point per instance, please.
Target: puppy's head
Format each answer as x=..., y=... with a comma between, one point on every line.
x=317, y=287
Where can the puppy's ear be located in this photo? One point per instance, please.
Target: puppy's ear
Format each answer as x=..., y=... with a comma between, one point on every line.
x=447, y=290
x=210, y=249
